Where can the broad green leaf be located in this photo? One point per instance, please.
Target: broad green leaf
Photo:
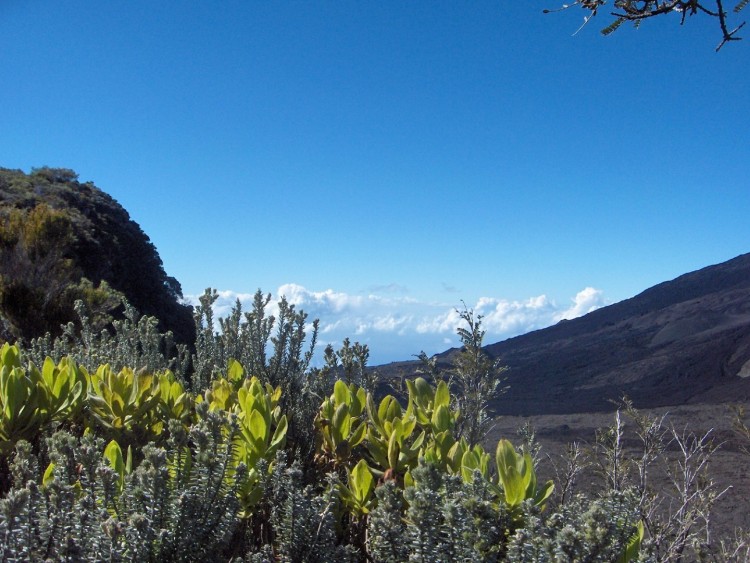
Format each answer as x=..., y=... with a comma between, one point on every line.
x=505, y=456
x=441, y=419
x=379, y=452
x=340, y=423
x=393, y=451
x=373, y=413
x=469, y=463
x=419, y=441
x=408, y=479
x=235, y=371
x=358, y=434
x=386, y=410
x=514, y=487
x=10, y=355
x=408, y=425
x=341, y=392
x=129, y=461
x=634, y=544
x=425, y=393
x=113, y=455
x=358, y=400
x=279, y=434
x=362, y=481
x=49, y=475
x=529, y=475
x=48, y=372
x=257, y=425
x=442, y=395
x=455, y=455
x=541, y=496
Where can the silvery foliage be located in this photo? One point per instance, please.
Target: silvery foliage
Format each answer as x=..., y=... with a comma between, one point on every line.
x=349, y=363
x=78, y=514
x=159, y=517
x=297, y=521
x=162, y=514
x=442, y=518
x=582, y=530
x=135, y=341
x=269, y=347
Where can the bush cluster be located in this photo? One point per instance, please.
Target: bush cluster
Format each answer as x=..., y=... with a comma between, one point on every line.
x=244, y=452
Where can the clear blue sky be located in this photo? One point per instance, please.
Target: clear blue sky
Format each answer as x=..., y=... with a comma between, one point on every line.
x=382, y=161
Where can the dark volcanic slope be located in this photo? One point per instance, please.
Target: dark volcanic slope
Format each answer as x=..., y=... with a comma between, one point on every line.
x=681, y=341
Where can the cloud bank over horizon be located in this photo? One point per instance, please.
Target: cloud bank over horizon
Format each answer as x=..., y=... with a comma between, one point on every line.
x=397, y=327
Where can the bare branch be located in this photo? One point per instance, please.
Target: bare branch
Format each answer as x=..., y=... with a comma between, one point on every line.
x=638, y=10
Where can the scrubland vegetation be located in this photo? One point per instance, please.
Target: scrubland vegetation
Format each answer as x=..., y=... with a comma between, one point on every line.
x=129, y=437
x=117, y=445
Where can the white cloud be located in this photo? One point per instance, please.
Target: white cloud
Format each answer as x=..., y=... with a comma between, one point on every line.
x=327, y=301
x=397, y=327
x=515, y=317
x=446, y=321
x=585, y=301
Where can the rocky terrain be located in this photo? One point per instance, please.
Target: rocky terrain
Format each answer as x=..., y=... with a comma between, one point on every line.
x=728, y=465
x=684, y=341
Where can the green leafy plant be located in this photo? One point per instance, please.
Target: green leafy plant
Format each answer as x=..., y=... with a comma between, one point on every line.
x=20, y=400
x=275, y=349
x=431, y=405
x=517, y=477
x=262, y=430
x=124, y=403
x=122, y=466
x=175, y=403
x=65, y=388
x=391, y=441
x=340, y=423
x=31, y=398
x=262, y=426
x=357, y=495
x=474, y=460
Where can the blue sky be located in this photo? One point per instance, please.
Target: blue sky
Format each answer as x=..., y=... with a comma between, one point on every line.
x=380, y=162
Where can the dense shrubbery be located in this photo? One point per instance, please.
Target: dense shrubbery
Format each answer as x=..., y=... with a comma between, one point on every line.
x=62, y=240
x=255, y=456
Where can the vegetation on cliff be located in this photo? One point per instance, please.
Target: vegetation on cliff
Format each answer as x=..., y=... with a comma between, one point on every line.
x=62, y=240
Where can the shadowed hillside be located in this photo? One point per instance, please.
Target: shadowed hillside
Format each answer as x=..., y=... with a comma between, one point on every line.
x=62, y=240
x=682, y=341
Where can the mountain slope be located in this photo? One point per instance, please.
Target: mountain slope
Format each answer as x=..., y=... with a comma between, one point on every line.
x=681, y=341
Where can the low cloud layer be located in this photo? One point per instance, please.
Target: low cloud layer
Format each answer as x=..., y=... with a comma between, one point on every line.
x=397, y=327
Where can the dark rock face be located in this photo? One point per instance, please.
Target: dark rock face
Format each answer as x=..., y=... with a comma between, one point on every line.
x=682, y=341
